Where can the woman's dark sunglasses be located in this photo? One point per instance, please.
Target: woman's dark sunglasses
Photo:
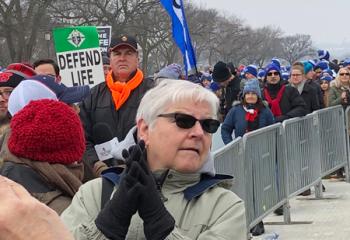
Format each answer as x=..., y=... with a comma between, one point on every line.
x=186, y=121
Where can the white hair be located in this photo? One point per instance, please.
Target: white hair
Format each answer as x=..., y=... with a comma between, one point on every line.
x=169, y=92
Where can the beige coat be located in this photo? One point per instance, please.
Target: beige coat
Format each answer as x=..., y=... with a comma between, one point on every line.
x=216, y=214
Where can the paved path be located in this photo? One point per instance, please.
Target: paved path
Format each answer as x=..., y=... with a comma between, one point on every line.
x=330, y=218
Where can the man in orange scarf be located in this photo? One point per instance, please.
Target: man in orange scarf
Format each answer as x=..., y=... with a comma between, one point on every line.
x=115, y=101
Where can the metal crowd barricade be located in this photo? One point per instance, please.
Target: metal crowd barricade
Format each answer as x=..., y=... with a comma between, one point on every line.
x=264, y=172
x=332, y=140
x=273, y=164
x=217, y=142
x=302, y=153
x=229, y=160
x=347, y=124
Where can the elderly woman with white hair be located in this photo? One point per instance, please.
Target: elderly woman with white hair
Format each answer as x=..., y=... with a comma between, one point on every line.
x=167, y=190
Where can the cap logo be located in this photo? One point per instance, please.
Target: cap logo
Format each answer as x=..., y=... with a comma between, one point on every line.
x=5, y=76
x=124, y=38
x=76, y=38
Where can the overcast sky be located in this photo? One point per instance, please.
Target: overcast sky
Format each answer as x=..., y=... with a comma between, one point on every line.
x=327, y=21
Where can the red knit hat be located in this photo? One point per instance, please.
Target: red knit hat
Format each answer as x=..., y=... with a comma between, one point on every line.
x=49, y=131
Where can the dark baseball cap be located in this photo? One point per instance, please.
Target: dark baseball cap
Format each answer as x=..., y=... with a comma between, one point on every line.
x=64, y=94
x=123, y=40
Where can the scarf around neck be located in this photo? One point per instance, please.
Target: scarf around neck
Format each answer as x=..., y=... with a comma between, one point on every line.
x=66, y=178
x=121, y=91
x=275, y=103
x=299, y=87
x=252, y=118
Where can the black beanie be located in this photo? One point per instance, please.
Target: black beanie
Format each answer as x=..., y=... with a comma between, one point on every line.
x=221, y=72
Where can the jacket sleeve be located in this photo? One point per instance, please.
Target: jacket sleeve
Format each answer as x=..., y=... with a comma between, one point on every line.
x=297, y=106
x=269, y=117
x=228, y=126
x=315, y=102
x=80, y=216
x=90, y=155
x=334, y=98
x=320, y=97
x=230, y=225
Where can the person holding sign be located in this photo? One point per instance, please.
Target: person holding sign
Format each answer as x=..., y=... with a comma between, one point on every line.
x=114, y=101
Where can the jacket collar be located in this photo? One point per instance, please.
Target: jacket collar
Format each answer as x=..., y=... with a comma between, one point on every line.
x=191, y=184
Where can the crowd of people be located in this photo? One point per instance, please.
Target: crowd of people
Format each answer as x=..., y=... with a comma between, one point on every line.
x=160, y=182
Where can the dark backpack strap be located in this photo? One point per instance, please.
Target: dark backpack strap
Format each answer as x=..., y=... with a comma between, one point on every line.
x=107, y=189
x=110, y=178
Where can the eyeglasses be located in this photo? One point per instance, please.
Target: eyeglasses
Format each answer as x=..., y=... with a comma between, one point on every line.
x=272, y=73
x=344, y=74
x=5, y=94
x=186, y=121
x=296, y=75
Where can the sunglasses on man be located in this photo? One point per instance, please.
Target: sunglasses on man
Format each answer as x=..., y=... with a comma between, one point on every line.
x=273, y=74
x=186, y=121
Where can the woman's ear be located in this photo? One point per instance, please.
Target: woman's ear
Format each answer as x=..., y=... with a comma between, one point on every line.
x=142, y=130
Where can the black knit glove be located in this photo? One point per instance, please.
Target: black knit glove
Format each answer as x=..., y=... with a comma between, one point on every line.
x=157, y=221
x=114, y=219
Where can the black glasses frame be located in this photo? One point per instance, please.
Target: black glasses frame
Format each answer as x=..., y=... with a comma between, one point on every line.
x=187, y=121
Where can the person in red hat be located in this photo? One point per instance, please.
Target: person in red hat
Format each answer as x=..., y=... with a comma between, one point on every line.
x=9, y=79
x=43, y=152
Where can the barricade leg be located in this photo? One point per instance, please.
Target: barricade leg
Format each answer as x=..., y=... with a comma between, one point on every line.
x=318, y=190
x=286, y=213
x=347, y=177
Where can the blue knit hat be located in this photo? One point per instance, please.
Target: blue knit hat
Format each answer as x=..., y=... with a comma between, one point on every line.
x=307, y=67
x=323, y=54
x=261, y=73
x=327, y=72
x=206, y=76
x=252, y=86
x=285, y=76
x=313, y=62
x=346, y=62
x=326, y=78
x=172, y=71
x=276, y=61
x=323, y=65
x=271, y=67
x=252, y=69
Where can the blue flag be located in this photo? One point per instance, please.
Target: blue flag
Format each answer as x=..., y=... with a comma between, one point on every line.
x=181, y=34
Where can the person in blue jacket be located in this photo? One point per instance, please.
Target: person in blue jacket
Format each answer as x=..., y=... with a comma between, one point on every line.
x=247, y=116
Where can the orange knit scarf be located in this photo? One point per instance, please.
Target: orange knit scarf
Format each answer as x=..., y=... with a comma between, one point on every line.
x=121, y=91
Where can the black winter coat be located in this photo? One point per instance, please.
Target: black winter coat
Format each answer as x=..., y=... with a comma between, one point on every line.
x=318, y=90
x=99, y=107
x=292, y=104
x=311, y=100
